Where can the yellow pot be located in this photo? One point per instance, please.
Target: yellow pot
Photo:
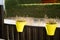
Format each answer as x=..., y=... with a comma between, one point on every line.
x=20, y=25
x=50, y=29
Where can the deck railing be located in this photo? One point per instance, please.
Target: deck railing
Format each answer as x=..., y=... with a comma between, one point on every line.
x=29, y=33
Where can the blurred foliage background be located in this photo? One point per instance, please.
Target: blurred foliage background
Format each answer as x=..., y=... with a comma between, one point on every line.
x=14, y=8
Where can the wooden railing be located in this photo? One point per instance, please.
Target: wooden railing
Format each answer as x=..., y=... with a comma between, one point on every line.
x=29, y=33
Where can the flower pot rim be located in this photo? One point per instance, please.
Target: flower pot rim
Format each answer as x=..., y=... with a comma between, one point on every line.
x=20, y=21
x=51, y=23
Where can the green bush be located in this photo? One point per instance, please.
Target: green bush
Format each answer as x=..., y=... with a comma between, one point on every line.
x=14, y=9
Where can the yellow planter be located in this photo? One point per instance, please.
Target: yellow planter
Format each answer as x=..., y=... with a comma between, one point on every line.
x=20, y=25
x=50, y=29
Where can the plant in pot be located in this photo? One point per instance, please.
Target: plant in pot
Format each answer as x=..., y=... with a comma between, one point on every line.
x=20, y=23
x=51, y=25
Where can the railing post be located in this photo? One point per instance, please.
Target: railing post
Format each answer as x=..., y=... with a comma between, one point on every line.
x=1, y=21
